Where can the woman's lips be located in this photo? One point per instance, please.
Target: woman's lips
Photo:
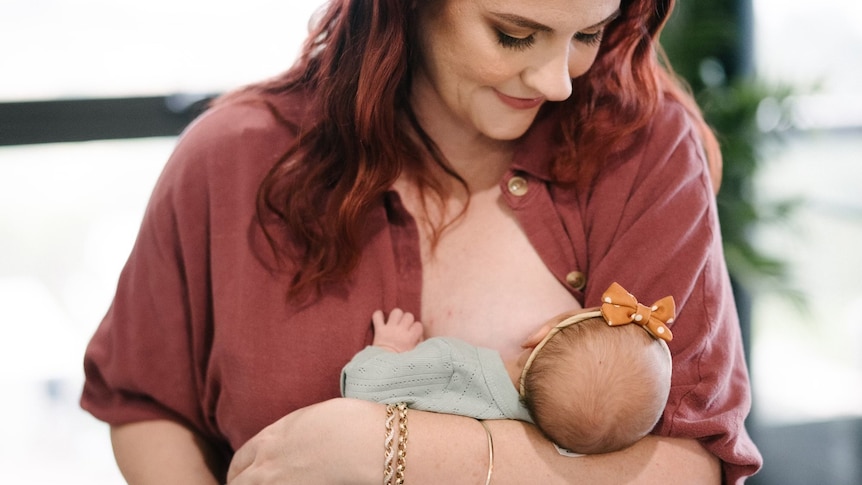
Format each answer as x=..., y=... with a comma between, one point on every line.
x=520, y=103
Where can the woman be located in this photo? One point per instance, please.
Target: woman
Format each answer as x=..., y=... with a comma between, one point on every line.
x=465, y=160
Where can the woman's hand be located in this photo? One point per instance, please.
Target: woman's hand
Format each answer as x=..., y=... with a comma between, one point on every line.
x=336, y=441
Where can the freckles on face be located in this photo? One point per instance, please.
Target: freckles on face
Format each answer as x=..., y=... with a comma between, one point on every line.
x=460, y=69
x=488, y=65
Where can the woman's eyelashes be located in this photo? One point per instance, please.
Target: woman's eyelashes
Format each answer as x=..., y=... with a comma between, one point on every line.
x=591, y=38
x=515, y=43
x=522, y=43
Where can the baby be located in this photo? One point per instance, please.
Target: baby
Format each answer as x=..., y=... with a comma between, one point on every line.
x=590, y=382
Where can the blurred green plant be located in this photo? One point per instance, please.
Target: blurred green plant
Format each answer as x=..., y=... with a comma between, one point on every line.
x=708, y=44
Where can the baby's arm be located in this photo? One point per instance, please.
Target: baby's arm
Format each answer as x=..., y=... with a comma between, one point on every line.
x=398, y=333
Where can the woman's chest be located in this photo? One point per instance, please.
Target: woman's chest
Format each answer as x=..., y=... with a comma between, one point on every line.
x=486, y=283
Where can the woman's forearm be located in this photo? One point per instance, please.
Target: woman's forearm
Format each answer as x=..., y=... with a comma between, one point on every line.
x=159, y=452
x=453, y=450
x=341, y=441
x=521, y=453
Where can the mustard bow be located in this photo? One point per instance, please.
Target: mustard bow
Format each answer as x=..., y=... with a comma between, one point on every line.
x=619, y=307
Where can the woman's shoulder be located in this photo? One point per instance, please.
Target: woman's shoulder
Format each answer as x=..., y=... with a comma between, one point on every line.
x=243, y=121
x=227, y=150
x=670, y=125
x=237, y=134
x=665, y=158
x=669, y=144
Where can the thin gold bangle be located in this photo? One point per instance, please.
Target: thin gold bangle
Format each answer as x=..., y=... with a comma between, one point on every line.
x=490, y=452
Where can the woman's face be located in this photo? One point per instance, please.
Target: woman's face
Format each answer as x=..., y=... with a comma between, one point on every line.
x=487, y=66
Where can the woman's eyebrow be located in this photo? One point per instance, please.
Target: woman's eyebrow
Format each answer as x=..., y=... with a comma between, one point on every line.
x=526, y=23
x=523, y=22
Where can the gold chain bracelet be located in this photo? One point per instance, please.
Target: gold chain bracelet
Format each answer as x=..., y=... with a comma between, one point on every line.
x=402, y=444
x=394, y=463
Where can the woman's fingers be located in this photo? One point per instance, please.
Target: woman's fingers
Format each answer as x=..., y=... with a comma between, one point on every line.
x=242, y=460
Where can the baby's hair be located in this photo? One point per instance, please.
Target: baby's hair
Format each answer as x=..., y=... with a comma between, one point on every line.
x=596, y=389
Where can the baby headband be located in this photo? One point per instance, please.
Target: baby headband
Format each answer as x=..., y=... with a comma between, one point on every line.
x=619, y=307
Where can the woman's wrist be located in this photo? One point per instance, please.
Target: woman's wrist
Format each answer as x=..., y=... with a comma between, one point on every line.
x=446, y=448
x=440, y=448
x=358, y=431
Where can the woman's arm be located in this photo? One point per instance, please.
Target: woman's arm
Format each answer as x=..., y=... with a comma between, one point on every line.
x=341, y=441
x=159, y=452
x=522, y=455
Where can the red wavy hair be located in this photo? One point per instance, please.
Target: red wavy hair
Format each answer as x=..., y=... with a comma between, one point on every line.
x=354, y=74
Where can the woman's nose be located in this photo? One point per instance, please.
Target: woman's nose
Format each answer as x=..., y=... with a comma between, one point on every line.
x=551, y=76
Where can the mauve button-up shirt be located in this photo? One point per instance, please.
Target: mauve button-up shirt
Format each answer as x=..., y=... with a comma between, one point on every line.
x=200, y=330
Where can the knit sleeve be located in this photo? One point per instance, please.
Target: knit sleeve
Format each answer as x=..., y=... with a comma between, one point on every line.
x=442, y=375
x=379, y=375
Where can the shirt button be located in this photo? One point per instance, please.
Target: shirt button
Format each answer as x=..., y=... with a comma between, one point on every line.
x=576, y=280
x=517, y=186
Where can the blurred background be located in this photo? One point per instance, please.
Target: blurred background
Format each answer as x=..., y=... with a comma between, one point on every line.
x=94, y=92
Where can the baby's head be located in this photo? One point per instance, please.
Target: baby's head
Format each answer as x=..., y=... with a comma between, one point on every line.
x=594, y=388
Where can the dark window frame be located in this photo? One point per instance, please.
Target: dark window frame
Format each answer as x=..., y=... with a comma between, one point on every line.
x=72, y=120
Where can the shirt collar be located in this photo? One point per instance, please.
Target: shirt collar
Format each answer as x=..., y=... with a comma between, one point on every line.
x=534, y=151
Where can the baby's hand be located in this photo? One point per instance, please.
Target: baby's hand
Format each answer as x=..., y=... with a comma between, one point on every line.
x=398, y=333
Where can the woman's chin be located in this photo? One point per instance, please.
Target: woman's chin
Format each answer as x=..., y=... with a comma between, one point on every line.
x=512, y=129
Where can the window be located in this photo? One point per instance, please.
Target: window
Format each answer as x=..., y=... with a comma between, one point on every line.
x=119, y=48
x=69, y=212
x=805, y=366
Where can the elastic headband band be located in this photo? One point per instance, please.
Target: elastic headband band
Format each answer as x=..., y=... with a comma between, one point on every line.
x=619, y=307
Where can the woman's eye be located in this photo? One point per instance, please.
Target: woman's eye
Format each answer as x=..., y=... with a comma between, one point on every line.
x=590, y=38
x=516, y=43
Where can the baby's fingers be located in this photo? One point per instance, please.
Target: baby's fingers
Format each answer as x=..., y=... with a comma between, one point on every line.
x=377, y=319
